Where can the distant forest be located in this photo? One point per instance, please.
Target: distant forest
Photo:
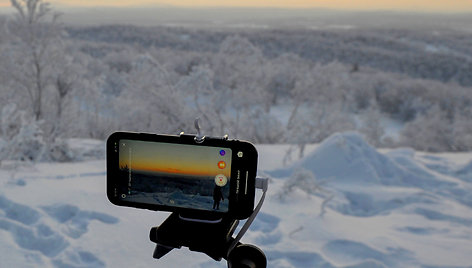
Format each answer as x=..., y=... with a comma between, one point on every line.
x=436, y=54
x=398, y=87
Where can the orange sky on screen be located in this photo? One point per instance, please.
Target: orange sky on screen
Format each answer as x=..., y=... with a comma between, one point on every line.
x=173, y=159
x=187, y=171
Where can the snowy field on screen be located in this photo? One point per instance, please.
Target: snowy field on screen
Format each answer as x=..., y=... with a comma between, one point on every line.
x=344, y=204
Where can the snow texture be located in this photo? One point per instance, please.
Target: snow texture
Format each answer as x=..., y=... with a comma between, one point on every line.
x=389, y=208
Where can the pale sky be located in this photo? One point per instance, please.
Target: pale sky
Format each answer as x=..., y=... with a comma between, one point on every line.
x=409, y=5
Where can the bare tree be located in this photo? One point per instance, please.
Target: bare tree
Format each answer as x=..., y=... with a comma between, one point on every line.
x=34, y=50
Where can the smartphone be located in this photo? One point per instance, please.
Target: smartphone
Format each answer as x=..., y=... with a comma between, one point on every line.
x=212, y=178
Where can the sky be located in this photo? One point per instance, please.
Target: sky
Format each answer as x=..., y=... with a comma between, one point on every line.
x=175, y=159
x=400, y=5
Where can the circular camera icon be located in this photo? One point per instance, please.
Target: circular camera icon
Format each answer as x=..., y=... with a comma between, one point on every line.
x=221, y=164
x=221, y=180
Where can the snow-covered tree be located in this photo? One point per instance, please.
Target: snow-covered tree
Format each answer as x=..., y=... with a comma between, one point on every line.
x=21, y=137
x=319, y=102
x=240, y=70
x=431, y=131
x=319, y=85
x=372, y=126
x=209, y=104
x=462, y=130
x=316, y=123
x=284, y=72
x=262, y=127
x=34, y=50
x=152, y=97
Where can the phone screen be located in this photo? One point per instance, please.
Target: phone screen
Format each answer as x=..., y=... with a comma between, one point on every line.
x=175, y=175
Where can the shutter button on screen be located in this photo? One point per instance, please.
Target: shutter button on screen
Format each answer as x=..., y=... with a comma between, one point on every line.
x=221, y=180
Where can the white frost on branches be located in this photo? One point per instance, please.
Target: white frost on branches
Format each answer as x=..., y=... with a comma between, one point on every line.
x=21, y=137
x=305, y=181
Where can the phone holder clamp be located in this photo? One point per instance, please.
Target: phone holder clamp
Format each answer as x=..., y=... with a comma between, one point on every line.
x=199, y=137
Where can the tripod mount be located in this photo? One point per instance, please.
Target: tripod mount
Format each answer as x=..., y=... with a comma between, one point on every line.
x=212, y=238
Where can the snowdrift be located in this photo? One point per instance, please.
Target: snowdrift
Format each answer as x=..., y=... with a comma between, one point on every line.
x=348, y=159
x=465, y=172
x=365, y=182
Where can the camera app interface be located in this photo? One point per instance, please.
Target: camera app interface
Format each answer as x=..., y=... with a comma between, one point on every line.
x=176, y=175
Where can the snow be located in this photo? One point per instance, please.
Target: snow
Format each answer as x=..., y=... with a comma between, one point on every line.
x=388, y=208
x=361, y=164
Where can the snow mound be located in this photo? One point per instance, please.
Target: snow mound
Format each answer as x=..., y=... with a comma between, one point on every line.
x=438, y=216
x=365, y=182
x=33, y=232
x=86, y=149
x=362, y=204
x=437, y=164
x=422, y=230
x=348, y=159
x=40, y=238
x=445, y=167
x=296, y=259
x=76, y=221
x=465, y=173
x=368, y=264
x=18, y=212
x=78, y=259
x=23, y=223
x=265, y=222
x=348, y=251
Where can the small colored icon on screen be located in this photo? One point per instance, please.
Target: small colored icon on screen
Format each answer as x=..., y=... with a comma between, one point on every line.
x=221, y=180
x=221, y=164
x=222, y=152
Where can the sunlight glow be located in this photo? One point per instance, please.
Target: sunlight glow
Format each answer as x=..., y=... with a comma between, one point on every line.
x=171, y=159
x=404, y=5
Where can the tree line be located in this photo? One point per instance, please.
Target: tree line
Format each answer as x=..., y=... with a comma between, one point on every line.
x=60, y=82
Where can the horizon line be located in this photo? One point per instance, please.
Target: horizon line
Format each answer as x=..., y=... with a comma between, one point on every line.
x=69, y=7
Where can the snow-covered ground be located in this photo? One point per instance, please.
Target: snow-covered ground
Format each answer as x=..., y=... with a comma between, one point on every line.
x=387, y=208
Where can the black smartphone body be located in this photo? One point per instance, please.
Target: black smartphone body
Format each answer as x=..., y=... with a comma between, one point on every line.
x=206, y=179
